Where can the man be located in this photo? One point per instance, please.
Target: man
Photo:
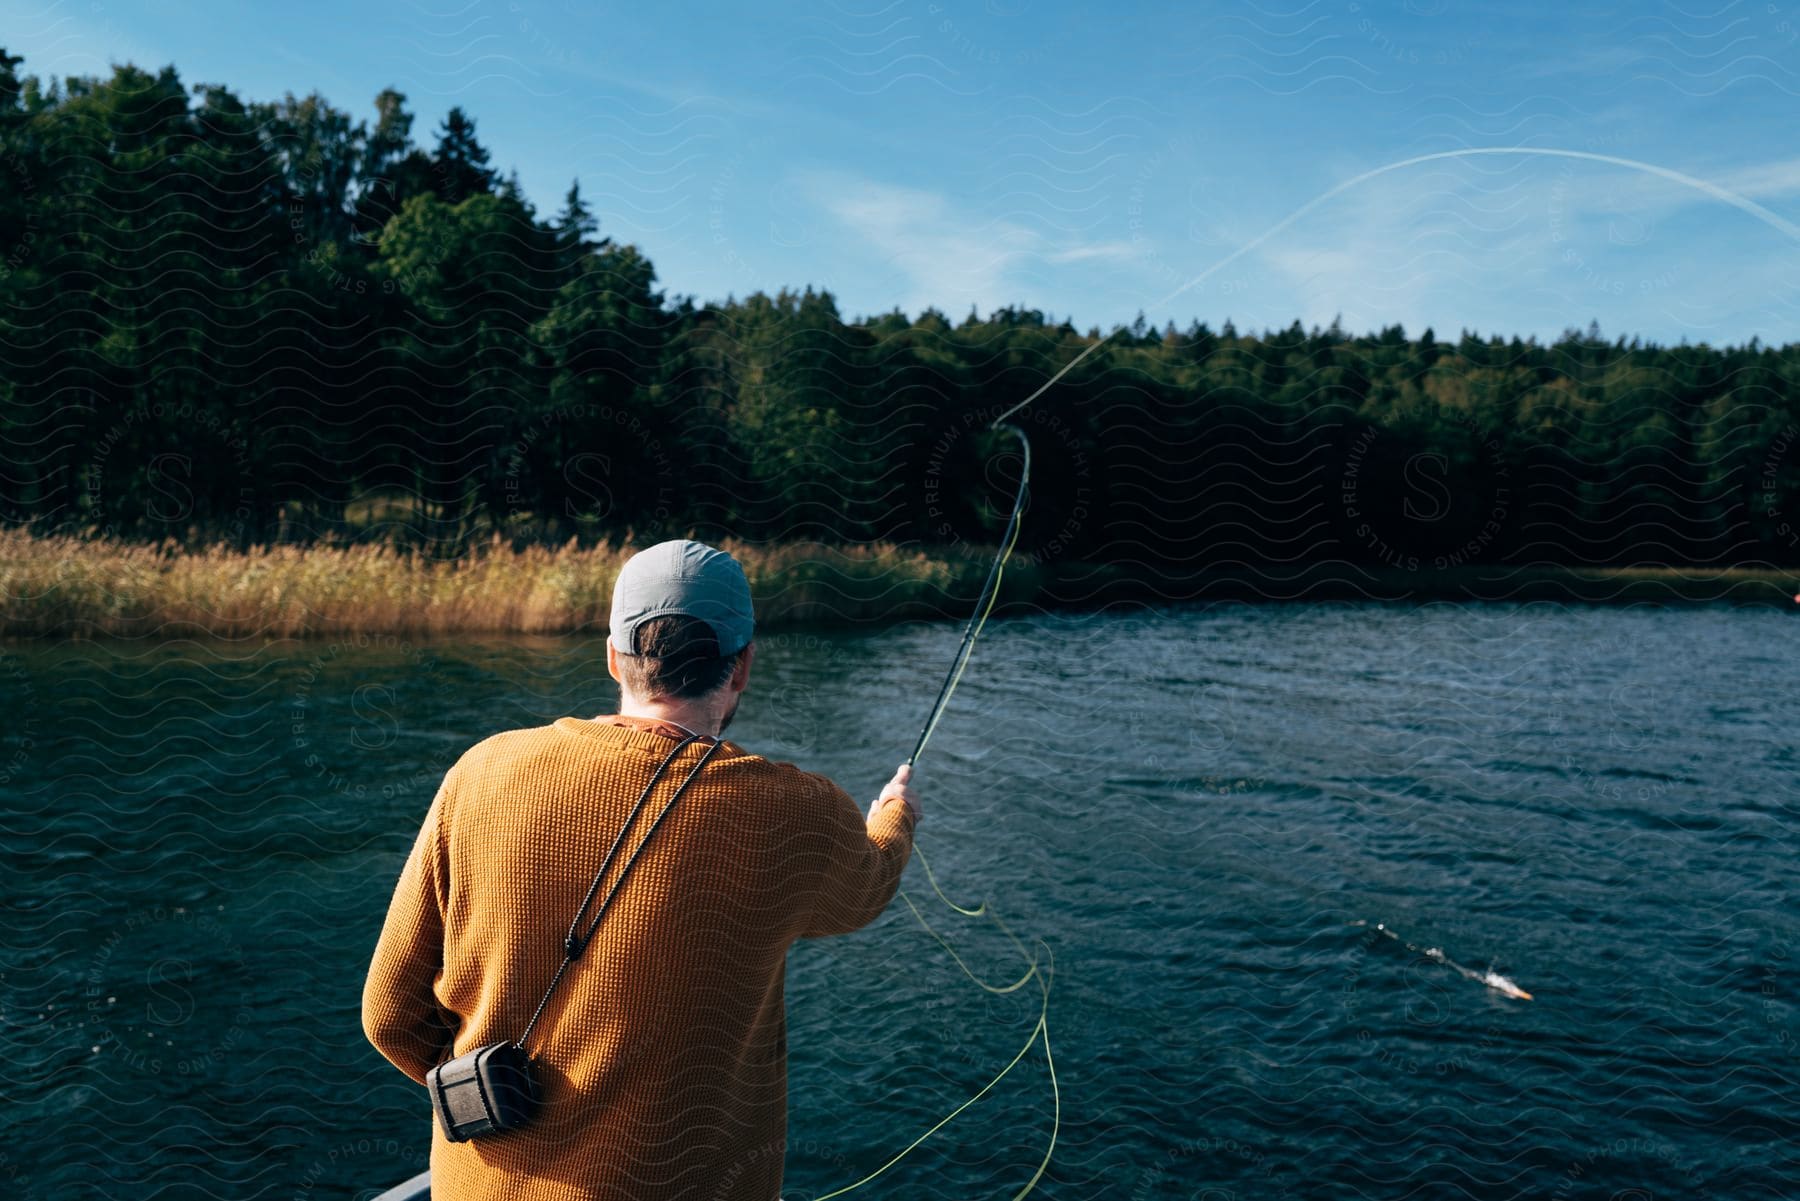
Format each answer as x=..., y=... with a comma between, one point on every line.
x=662, y=1054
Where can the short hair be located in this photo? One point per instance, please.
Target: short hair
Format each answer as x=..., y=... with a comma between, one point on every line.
x=675, y=656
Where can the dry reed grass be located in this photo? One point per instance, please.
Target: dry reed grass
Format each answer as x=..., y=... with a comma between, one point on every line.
x=65, y=586
x=69, y=586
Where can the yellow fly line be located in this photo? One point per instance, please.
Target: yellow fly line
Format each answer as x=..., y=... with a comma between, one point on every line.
x=1040, y=1031
x=1041, y=972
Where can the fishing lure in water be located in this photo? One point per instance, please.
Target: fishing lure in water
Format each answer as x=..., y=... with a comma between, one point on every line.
x=1491, y=978
x=1495, y=980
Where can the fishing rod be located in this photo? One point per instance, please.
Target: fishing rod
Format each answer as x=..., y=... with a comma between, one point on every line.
x=990, y=591
x=984, y=601
x=984, y=605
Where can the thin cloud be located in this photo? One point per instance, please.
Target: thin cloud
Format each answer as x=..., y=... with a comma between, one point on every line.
x=1521, y=251
x=949, y=256
x=1765, y=180
x=1601, y=190
x=1115, y=252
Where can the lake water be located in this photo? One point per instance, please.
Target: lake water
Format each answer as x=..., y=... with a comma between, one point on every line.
x=1188, y=811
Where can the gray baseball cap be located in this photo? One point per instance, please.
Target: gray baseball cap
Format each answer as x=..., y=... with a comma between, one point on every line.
x=682, y=577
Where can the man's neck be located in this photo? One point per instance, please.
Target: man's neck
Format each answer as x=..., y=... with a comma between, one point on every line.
x=700, y=719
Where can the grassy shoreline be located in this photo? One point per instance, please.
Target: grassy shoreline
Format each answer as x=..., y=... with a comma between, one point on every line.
x=58, y=587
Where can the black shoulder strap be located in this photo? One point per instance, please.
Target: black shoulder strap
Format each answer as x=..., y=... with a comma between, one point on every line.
x=576, y=941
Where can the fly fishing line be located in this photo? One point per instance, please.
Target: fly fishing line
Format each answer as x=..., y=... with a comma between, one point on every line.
x=984, y=605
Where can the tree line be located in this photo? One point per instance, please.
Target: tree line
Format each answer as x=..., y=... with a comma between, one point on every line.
x=271, y=321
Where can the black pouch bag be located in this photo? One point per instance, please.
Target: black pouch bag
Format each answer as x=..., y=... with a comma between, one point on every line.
x=489, y=1090
x=493, y=1088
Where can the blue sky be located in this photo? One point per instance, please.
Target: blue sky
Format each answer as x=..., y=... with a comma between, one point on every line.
x=1092, y=161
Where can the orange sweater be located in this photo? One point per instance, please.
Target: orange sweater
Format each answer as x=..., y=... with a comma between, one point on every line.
x=663, y=1053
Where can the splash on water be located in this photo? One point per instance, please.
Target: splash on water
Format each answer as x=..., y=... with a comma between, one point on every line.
x=1492, y=979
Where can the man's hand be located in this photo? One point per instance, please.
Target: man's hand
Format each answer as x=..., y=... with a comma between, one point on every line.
x=898, y=789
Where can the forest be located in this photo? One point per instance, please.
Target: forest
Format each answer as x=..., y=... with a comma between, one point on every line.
x=256, y=323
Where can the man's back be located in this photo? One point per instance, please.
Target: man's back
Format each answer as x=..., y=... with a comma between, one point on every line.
x=663, y=1052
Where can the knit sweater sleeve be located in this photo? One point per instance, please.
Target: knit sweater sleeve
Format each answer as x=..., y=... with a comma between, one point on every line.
x=863, y=862
x=400, y=1010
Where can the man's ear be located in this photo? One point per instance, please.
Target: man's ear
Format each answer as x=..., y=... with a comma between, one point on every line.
x=740, y=675
x=612, y=660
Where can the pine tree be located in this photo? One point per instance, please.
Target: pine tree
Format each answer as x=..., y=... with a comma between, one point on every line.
x=461, y=161
x=9, y=80
x=575, y=230
x=391, y=170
